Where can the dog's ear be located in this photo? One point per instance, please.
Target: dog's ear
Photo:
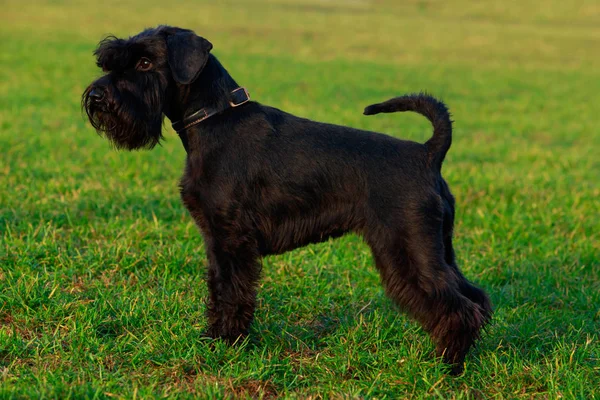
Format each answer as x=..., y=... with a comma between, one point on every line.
x=188, y=54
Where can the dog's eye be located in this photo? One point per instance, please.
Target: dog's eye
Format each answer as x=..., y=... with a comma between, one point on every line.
x=144, y=64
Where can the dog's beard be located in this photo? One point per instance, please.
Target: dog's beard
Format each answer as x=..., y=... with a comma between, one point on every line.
x=125, y=124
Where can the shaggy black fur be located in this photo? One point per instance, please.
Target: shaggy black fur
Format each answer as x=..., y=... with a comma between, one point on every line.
x=259, y=181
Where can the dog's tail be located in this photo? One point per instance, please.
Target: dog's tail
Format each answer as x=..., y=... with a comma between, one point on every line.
x=430, y=107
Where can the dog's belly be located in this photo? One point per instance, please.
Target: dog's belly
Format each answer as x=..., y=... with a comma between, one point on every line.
x=284, y=232
x=295, y=207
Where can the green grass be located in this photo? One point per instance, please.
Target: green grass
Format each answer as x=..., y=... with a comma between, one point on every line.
x=101, y=269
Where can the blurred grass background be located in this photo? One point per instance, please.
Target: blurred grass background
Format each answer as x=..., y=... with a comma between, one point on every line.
x=101, y=268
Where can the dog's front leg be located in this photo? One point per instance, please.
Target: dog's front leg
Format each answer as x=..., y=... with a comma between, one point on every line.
x=232, y=281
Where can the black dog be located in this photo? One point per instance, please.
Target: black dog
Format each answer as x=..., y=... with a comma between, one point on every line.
x=259, y=181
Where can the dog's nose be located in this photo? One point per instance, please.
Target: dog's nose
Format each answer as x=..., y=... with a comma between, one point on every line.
x=96, y=94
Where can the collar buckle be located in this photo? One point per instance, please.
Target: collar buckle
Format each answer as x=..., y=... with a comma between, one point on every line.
x=240, y=96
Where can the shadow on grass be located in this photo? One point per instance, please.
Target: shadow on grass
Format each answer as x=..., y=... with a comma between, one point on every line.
x=542, y=314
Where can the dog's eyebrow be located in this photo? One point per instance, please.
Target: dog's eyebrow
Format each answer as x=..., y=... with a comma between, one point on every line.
x=119, y=54
x=104, y=67
x=112, y=54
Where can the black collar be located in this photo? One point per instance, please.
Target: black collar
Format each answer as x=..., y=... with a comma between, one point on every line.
x=237, y=97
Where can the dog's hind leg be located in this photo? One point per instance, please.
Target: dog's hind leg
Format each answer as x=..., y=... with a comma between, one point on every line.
x=468, y=290
x=416, y=276
x=232, y=283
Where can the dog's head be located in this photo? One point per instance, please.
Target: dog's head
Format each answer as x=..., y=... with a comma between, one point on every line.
x=143, y=74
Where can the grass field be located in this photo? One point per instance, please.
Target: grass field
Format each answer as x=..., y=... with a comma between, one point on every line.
x=101, y=269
